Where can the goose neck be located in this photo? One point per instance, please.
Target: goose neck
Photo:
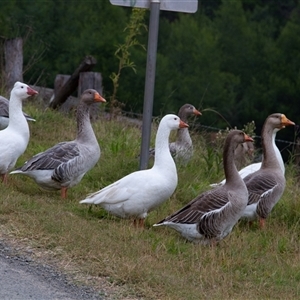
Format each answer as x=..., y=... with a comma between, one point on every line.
x=230, y=170
x=84, y=127
x=271, y=154
x=162, y=151
x=16, y=116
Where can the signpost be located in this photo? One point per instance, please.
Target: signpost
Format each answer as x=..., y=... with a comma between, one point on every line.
x=187, y=6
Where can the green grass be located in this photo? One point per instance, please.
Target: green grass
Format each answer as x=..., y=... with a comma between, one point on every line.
x=154, y=263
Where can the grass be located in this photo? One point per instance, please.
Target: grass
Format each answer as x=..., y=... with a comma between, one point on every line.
x=154, y=263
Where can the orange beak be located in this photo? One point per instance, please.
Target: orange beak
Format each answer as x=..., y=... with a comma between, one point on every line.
x=197, y=112
x=285, y=121
x=248, y=138
x=99, y=98
x=183, y=125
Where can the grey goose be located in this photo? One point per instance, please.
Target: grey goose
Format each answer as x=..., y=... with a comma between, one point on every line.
x=211, y=216
x=63, y=165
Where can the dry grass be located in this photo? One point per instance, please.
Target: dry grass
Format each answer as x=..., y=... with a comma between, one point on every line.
x=154, y=263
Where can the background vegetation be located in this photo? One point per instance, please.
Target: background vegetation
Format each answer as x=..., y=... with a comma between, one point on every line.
x=240, y=58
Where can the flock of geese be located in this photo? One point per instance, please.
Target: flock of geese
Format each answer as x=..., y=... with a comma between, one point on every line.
x=207, y=219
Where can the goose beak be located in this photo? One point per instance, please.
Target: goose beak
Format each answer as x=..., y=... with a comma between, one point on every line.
x=183, y=125
x=99, y=98
x=248, y=138
x=197, y=112
x=285, y=121
x=31, y=91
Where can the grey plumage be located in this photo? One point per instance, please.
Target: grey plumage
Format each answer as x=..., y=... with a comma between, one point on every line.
x=63, y=165
x=267, y=185
x=212, y=215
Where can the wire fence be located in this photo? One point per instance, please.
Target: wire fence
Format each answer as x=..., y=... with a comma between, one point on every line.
x=215, y=129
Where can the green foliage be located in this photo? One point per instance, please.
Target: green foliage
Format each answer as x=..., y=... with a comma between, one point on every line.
x=239, y=58
x=123, y=54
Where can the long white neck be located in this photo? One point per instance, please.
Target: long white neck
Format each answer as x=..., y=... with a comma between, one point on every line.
x=17, y=120
x=163, y=158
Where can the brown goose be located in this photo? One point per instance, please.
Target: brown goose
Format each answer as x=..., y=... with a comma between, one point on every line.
x=267, y=185
x=182, y=148
x=211, y=215
x=63, y=165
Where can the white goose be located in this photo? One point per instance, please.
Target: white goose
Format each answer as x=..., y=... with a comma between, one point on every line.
x=211, y=216
x=136, y=194
x=267, y=185
x=15, y=137
x=4, y=113
x=64, y=165
x=182, y=148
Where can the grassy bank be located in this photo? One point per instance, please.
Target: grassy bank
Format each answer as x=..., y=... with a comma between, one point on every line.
x=154, y=263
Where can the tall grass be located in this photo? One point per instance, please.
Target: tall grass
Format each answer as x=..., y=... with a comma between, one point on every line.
x=154, y=263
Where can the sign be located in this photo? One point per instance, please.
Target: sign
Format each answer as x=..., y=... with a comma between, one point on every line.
x=186, y=6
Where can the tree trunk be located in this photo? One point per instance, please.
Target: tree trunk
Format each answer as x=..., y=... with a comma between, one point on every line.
x=70, y=86
x=13, y=55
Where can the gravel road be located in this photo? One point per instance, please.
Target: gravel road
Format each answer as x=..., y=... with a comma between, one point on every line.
x=21, y=278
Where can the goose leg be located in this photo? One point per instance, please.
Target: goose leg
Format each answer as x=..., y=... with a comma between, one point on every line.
x=64, y=192
x=4, y=178
x=139, y=223
x=262, y=223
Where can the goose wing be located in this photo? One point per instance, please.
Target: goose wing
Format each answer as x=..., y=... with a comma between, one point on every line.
x=207, y=202
x=53, y=157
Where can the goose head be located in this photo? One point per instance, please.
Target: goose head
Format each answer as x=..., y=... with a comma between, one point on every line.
x=188, y=110
x=173, y=122
x=278, y=121
x=22, y=90
x=238, y=137
x=91, y=96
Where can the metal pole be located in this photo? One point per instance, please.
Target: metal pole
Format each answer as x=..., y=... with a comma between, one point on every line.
x=149, y=82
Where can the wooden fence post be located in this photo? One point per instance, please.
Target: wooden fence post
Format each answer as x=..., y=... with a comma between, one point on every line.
x=13, y=56
x=70, y=86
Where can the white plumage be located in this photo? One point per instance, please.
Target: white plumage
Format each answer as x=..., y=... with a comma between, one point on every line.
x=136, y=194
x=15, y=137
x=4, y=113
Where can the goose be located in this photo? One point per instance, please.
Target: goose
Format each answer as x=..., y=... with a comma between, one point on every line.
x=63, y=165
x=182, y=148
x=15, y=137
x=210, y=216
x=267, y=185
x=256, y=166
x=136, y=194
x=4, y=115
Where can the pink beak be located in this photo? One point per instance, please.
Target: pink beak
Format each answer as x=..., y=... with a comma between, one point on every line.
x=31, y=91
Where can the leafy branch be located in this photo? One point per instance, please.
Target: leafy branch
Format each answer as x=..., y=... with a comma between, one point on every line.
x=133, y=29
